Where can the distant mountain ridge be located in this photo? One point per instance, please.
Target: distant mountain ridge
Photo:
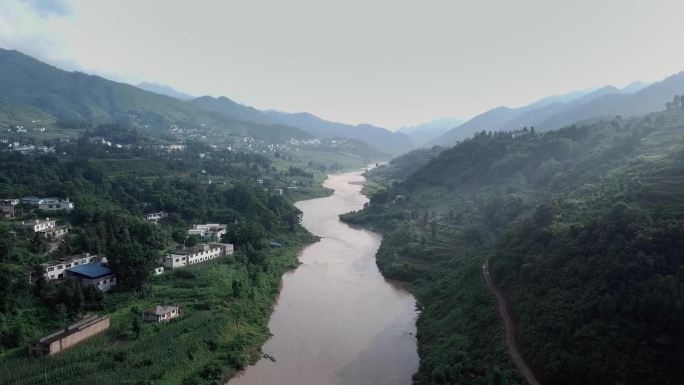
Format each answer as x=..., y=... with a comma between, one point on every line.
x=70, y=97
x=162, y=89
x=380, y=138
x=39, y=88
x=558, y=111
x=423, y=133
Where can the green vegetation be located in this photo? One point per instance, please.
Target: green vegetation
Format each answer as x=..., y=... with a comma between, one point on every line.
x=583, y=227
x=71, y=99
x=225, y=306
x=226, y=303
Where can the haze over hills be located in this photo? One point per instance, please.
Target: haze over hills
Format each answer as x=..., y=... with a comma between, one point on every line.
x=164, y=90
x=73, y=97
x=380, y=138
x=559, y=111
x=62, y=96
x=423, y=133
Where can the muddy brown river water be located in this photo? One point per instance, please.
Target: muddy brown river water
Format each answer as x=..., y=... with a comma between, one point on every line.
x=337, y=320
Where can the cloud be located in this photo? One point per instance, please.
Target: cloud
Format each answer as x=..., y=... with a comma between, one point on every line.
x=47, y=8
x=32, y=27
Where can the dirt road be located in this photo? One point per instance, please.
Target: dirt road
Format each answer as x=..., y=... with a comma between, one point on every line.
x=509, y=327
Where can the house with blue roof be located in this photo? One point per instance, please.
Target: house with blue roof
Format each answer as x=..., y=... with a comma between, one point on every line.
x=95, y=274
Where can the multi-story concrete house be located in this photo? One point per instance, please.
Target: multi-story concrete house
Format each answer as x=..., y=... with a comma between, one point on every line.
x=212, y=230
x=38, y=225
x=55, y=204
x=56, y=269
x=95, y=274
x=200, y=253
x=55, y=233
x=155, y=217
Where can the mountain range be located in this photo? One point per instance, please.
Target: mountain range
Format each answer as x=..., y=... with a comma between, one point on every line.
x=425, y=132
x=558, y=111
x=75, y=97
x=29, y=85
x=380, y=138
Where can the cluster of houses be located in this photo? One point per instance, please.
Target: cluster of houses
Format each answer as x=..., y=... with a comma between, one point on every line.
x=8, y=205
x=93, y=270
x=49, y=204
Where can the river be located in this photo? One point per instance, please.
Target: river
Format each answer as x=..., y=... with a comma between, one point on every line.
x=337, y=320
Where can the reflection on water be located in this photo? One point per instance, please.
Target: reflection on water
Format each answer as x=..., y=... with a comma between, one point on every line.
x=337, y=321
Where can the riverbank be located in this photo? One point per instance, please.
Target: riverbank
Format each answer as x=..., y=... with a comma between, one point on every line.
x=337, y=320
x=226, y=304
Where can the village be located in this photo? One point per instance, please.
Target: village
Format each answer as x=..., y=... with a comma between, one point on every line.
x=93, y=270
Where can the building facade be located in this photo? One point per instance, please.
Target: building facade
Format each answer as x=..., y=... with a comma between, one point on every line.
x=93, y=274
x=161, y=313
x=213, y=230
x=39, y=225
x=56, y=269
x=54, y=204
x=55, y=233
x=155, y=217
x=200, y=253
x=69, y=336
x=7, y=207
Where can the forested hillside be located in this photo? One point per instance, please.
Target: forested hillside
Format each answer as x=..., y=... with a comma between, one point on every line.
x=583, y=229
x=554, y=112
x=74, y=98
x=226, y=303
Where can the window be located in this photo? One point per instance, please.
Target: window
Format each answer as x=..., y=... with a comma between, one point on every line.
x=50, y=268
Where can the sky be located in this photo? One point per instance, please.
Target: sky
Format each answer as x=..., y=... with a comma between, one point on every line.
x=390, y=63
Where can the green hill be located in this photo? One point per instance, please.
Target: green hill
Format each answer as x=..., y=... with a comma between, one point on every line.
x=77, y=97
x=386, y=141
x=583, y=227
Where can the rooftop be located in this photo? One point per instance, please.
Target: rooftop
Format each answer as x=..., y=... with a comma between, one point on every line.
x=71, y=329
x=90, y=270
x=196, y=248
x=160, y=310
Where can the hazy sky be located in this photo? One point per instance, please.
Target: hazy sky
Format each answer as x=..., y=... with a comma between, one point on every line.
x=386, y=62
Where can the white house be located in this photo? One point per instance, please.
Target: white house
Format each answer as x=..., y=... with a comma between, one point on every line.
x=56, y=269
x=38, y=226
x=161, y=313
x=54, y=204
x=155, y=217
x=200, y=253
x=159, y=270
x=213, y=230
x=57, y=232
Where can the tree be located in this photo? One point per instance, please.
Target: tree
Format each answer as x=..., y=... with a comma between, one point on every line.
x=607, y=307
x=136, y=323
x=70, y=294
